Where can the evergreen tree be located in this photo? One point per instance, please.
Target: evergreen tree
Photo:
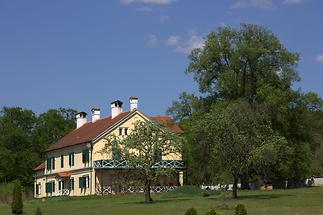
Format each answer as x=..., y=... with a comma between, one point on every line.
x=17, y=205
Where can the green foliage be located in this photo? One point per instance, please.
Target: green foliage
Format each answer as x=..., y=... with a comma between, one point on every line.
x=38, y=211
x=250, y=64
x=240, y=210
x=140, y=150
x=191, y=211
x=211, y=212
x=24, y=136
x=17, y=205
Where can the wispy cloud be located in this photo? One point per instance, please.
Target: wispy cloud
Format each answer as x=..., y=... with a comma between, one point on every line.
x=144, y=9
x=160, y=2
x=293, y=1
x=152, y=40
x=164, y=18
x=173, y=40
x=262, y=4
x=319, y=58
x=193, y=41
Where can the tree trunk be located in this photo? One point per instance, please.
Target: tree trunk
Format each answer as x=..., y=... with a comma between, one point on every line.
x=147, y=192
x=235, y=187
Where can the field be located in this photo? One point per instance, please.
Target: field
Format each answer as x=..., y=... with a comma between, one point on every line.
x=274, y=202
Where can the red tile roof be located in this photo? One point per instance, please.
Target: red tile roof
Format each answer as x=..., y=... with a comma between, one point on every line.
x=90, y=131
x=87, y=132
x=40, y=166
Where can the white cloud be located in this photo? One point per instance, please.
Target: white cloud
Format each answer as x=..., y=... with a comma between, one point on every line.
x=319, y=58
x=161, y=2
x=144, y=9
x=173, y=40
x=263, y=4
x=293, y=1
x=164, y=18
x=194, y=41
x=152, y=40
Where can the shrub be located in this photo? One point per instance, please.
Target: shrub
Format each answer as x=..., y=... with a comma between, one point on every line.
x=205, y=193
x=38, y=211
x=211, y=212
x=16, y=206
x=240, y=210
x=191, y=211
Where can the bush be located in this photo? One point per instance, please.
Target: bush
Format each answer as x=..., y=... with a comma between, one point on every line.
x=211, y=212
x=38, y=211
x=205, y=193
x=191, y=211
x=240, y=210
x=16, y=206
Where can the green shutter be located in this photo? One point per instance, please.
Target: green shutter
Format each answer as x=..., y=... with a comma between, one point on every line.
x=53, y=160
x=81, y=179
x=53, y=186
x=85, y=156
x=49, y=166
x=62, y=161
x=37, y=189
x=72, y=184
x=49, y=188
x=72, y=161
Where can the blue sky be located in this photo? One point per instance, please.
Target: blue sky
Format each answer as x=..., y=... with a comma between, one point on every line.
x=82, y=53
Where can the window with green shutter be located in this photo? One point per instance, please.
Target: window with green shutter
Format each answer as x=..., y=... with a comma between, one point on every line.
x=71, y=159
x=49, y=162
x=70, y=184
x=62, y=161
x=38, y=189
x=49, y=187
x=53, y=162
x=85, y=156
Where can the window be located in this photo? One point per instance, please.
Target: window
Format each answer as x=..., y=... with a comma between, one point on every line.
x=120, y=131
x=70, y=184
x=53, y=163
x=125, y=131
x=60, y=185
x=71, y=159
x=84, y=182
x=50, y=187
x=50, y=163
x=62, y=161
x=85, y=156
x=38, y=188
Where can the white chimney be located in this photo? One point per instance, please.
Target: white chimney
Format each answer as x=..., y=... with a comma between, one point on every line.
x=80, y=119
x=133, y=103
x=96, y=112
x=116, y=108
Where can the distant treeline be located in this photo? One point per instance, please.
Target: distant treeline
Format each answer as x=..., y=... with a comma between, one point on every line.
x=24, y=136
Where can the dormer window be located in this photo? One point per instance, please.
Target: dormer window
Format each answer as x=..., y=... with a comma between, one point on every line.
x=123, y=131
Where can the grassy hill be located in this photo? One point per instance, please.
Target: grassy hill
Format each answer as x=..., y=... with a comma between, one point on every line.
x=275, y=202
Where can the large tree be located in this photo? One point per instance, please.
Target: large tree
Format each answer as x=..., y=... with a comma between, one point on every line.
x=251, y=63
x=142, y=149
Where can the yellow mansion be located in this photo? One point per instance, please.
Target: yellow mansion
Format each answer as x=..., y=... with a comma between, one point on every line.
x=75, y=167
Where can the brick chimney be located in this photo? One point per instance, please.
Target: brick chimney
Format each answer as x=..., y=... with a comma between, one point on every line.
x=80, y=119
x=116, y=108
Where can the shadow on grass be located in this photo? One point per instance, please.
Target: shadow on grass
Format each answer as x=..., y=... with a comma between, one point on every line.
x=263, y=196
x=158, y=201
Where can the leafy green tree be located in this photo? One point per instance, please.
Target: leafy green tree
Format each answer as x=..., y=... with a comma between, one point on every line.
x=251, y=63
x=53, y=125
x=143, y=148
x=18, y=155
x=241, y=138
x=17, y=205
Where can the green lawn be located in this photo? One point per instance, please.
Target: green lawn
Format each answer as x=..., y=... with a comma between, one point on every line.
x=278, y=202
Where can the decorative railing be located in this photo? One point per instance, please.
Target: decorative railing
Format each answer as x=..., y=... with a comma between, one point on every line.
x=64, y=192
x=106, y=190
x=115, y=164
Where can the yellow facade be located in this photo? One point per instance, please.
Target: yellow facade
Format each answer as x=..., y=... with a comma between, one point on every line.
x=94, y=178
